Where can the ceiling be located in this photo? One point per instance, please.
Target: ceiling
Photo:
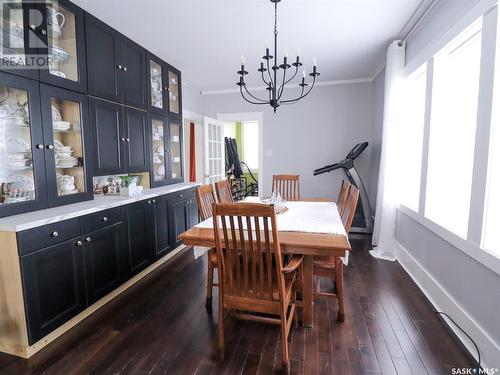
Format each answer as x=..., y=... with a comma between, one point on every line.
x=205, y=38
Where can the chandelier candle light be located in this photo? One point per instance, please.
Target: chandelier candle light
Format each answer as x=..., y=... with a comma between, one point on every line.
x=275, y=90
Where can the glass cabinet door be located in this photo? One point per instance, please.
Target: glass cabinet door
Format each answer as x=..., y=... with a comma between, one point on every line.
x=174, y=92
x=64, y=114
x=156, y=98
x=21, y=148
x=13, y=51
x=159, y=167
x=175, y=150
x=65, y=42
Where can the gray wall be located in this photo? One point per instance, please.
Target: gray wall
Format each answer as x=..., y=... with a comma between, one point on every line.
x=376, y=135
x=316, y=131
x=192, y=99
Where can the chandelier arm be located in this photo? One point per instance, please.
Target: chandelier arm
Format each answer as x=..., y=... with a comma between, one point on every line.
x=254, y=97
x=302, y=95
x=269, y=73
x=287, y=81
x=291, y=101
x=263, y=79
x=249, y=101
x=282, y=87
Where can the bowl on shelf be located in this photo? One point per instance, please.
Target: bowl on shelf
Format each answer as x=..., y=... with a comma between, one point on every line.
x=61, y=125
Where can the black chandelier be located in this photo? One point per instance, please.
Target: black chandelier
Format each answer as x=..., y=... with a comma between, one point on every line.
x=275, y=91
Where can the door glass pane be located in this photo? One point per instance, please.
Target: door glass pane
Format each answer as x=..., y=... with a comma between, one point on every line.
x=175, y=135
x=68, y=146
x=158, y=150
x=173, y=90
x=17, y=182
x=12, y=51
x=61, y=31
x=156, y=84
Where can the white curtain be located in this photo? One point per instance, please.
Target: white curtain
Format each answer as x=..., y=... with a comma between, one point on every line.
x=388, y=181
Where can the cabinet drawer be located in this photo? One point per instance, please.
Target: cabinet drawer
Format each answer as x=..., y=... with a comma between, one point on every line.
x=101, y=219
x=182, y=195
x=50, y=234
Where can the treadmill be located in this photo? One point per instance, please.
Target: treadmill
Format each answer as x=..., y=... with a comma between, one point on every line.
x=363, y=219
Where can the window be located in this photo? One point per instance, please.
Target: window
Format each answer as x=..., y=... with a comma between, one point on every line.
x=251, y=144
x=491, y=239
x=452, y=131
x=412, y=137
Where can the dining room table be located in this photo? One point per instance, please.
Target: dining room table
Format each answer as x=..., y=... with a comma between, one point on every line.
x=309, y=227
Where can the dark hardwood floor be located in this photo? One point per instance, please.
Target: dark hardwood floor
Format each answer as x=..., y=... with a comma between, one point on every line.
x=161, y=326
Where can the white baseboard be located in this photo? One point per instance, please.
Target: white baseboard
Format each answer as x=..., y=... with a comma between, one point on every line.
x=442, y=301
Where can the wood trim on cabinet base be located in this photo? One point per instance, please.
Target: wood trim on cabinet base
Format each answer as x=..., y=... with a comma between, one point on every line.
x=15, y=341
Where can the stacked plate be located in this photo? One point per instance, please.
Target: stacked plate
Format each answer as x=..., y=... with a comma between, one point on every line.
x=64, y=155
x=17, y=161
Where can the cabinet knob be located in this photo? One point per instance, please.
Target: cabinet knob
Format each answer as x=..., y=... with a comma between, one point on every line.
x=50, y=147
x=122, y=139
x=180, y=195
x=154, y=200
x=54, y=234
x=44, y=32
x=128, y=139
x=119, y=67
x=88, y=239
x=33, y=27
x=104, y=219
x=79, y=243
x=149, y=202
x=124, y=68
x=166, y=88
x=40, y=147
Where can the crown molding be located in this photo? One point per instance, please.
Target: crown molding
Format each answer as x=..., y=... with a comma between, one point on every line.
x=263, y=88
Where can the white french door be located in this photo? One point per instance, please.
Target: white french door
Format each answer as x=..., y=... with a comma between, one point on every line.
x=214, y=150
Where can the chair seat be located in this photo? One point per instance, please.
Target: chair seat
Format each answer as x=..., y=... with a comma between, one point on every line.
x=262, y=305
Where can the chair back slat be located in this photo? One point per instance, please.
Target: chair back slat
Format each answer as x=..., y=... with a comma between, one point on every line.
x=288, y=186
x=342, y=199
x=248, y=249
x=224, y=192
x=350, y=207
x=206, y=198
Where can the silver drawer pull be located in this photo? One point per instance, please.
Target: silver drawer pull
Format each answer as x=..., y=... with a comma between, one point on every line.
x=54, y=234
x=104, y=219
x=88, y=239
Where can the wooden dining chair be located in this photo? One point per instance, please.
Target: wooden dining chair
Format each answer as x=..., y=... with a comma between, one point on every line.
x=252, y=277
x=223, y=190
x=342, y=198
x=333, y=267
x=206, y=198
x=288, y=186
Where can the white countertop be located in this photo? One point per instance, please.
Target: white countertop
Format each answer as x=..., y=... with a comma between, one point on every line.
x=38, y=218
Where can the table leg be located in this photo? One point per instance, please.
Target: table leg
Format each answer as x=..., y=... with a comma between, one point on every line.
x=307, y=309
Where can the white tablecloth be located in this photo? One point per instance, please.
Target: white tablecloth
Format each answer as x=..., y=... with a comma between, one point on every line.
x=309, y=217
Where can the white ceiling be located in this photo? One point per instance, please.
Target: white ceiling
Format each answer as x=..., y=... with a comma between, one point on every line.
x=205, y=38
